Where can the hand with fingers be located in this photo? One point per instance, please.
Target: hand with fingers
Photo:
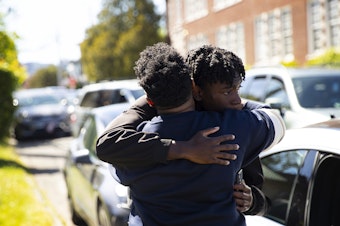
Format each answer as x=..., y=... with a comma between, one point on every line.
x=243, y=196
x=203, y=149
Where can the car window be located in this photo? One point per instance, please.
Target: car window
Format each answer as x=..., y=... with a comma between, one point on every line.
x=137, y=93
x=102, y=97
x=252, y=89
x=35, y=100
x=325, y=199
x=90, y=135
x=276, y=92
x=280, y=172
x=318, y=92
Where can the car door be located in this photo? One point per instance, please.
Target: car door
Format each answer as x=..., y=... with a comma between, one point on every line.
x=85, y=193
x=325, y=193
x=287, y=175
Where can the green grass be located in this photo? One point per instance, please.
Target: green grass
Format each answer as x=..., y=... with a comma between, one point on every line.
x=20, y=202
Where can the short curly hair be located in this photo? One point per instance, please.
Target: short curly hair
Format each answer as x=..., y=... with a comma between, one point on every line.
x=164, y=76
x=209, y=64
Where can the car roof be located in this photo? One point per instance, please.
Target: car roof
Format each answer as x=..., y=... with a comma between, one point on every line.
x=293, y=72
x=321, y=136
x=128, y=83
x=108, y=112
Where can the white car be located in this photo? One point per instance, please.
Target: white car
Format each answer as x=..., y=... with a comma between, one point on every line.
x=101, y=94
x=303, y=95
x=300, y=177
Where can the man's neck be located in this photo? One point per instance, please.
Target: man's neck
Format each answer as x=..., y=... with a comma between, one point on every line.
x=187, y=106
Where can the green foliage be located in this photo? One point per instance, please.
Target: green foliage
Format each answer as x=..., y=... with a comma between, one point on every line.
x=331, y=58
x=289, y=63
x=9, y=58
x=8, y=83
x=19, y=204
x=125, y=28
x=46, y=76
x=11, y=75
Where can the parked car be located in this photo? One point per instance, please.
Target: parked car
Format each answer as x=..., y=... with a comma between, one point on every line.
x=303, y=95
x=40, y=112
x=94, y=195
x=101, y=94
x=300, y=177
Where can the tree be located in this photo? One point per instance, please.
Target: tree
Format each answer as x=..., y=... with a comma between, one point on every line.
x=125, y=28
x=46, y=76
x=11, y=75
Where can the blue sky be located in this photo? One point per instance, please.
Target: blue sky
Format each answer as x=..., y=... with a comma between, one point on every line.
x=51, y=30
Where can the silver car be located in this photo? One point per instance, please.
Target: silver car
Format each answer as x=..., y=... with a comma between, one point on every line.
x=303, y=95
x=301, y=179
x=94, y=195
x=101, y=94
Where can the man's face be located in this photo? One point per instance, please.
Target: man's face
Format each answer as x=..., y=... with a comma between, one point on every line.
x=219, y=96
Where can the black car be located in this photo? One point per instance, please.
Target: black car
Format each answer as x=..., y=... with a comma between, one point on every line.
x=40, y=112
x=94, y=195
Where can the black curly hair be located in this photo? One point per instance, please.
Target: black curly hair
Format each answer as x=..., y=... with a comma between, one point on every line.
x=164, y=76
x=209, y=64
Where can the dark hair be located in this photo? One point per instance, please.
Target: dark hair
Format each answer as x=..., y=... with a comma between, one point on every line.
x=210, y=64
x=164, y=76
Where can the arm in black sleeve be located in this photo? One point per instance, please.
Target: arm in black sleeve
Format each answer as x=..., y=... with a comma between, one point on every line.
x=118, y=144
x=253, y=176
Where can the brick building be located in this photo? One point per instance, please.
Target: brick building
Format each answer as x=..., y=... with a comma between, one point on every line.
x=259, y=31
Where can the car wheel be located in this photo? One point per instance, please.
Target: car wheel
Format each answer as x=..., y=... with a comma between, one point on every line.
x=76, y=219
x=104, y=219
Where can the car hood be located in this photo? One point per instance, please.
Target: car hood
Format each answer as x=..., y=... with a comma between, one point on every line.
x=42, y=110
x=331, y=112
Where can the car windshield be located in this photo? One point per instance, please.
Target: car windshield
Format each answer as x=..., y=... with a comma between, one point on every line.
x=32, y=100
x=318, y=91
x=137, y=93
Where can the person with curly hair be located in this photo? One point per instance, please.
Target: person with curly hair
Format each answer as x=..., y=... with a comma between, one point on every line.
x=122, y=145
x=217, y=75
x=182, y=192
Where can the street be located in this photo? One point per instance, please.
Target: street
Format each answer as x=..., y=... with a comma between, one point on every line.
x=45, y=160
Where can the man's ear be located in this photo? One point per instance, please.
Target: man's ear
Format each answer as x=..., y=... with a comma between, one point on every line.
x=196, y=92
x=150, y=102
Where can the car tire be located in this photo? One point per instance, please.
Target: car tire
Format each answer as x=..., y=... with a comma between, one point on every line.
x=76, y=219
x=104, y=218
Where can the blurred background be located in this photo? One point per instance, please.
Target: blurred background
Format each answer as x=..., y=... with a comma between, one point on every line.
x=63, y=61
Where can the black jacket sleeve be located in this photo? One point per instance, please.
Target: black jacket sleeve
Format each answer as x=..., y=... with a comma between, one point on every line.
x=253, y=177
x=121, y=145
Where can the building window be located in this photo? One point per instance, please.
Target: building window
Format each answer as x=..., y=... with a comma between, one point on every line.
x=231, y=37
x=334, y=22
x=324, y=22
x=274, y=36
x=195, y=9
x=197, y=41
x=222, y=4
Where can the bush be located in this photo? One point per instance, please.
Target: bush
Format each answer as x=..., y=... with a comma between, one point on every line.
x=7, y=86
x=331, y=58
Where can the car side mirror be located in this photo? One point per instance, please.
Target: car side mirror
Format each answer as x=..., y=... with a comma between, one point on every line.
x=82, y=156
x=275, y=104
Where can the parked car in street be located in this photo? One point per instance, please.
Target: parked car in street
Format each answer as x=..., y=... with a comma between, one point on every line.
x=40, y=112
x=101, y=94
x=303, y=95
x=94, y=195
x=300, y=177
